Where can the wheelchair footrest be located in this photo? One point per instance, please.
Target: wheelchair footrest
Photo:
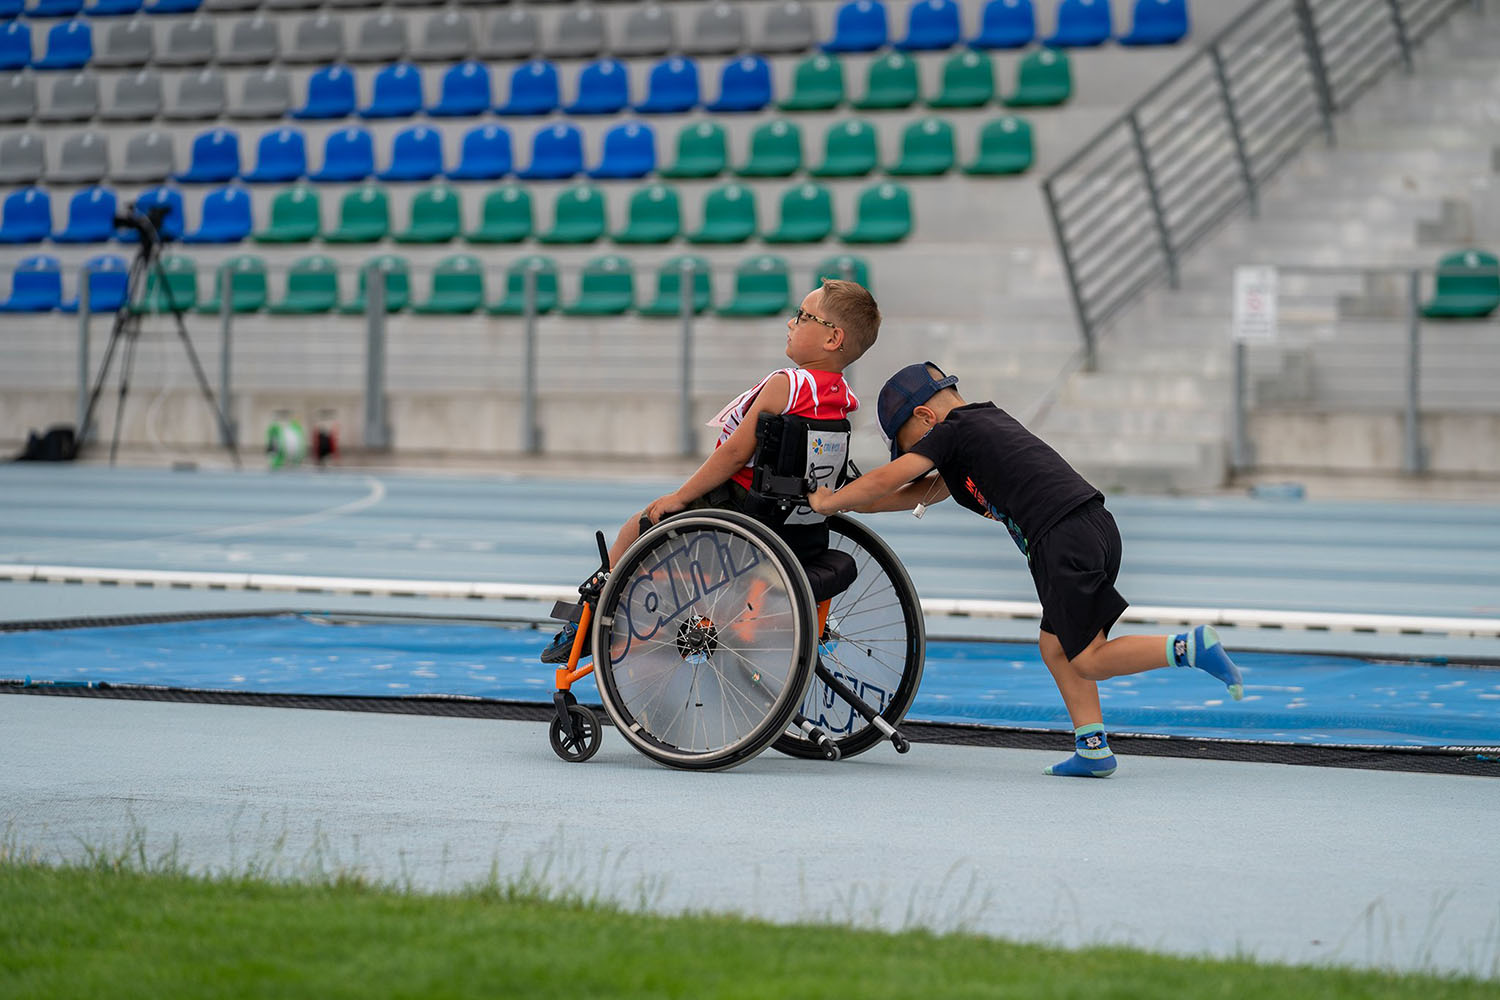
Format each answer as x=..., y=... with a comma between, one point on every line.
x=567, y=611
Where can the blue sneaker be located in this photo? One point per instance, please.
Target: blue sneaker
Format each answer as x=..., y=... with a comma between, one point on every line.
x=1201, y=648
x=1092, y=757
x=561, y=646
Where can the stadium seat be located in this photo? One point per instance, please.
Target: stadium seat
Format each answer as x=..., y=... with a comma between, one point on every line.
x=380, y=38
x=672, y=87
x=512, y=34
x=668, y=301
x=330, y=94
x=127, y=43
x=579, y=34
x=775, y=151
x=1043, y=79
x=513, y=303
x=859, y=26
x=762, y=287
x=435, y=216
x=179, y=290
x=606, y=288
x=225, y=217
x=149, y=158
x=137, y=97
x=266, y=93
x=91, y=217
x=189, y=43
x=465, y=91
x=312, y=287
x=578, y=216
x=364, y=216
x=112, y=8
x=718, y=29
x=35, y=286
x=74, y=98
x=248, y=289
x=1005, y=24
x=200, y=96
x=1005, y=147
x=17, y=97
x=83, y=159
x=629, y=151
x=648, y=32
x=317, y=38
x=931, y=25
x=655, y=216
x=397, y=94
x=484, y=154
x=457, y=287
x=397, y=275
x=447, y=34
x=843, y=267
x=108, y=279
x=728, y=215
x=891, y=84
x=603, y=89
x=884, y=215
x=744, y=85
x=1081, y=24
x=348, y=155
x=504, y=217
x=416, y=155
x=215, y=158
x=851, y=149
x=806, y=215
x=556, y=153
x=788, y=27
x=22, y=158
x=533, y=89
x=1467, y=286
x=279, y=156
x=926, y=149
x=70, y=45
x=54, y=8
x=15, y=45
x=171, y=6
x=172, y=224
x=26, y=216
x=817, y=85
x=252, y=41
x=1157, y=22
x=294, y=4
x=295, y=217
x=702, y=151
x=968, y=82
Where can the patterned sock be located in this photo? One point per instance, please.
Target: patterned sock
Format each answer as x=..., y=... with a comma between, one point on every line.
x=1091, y=758
x=1179, y=650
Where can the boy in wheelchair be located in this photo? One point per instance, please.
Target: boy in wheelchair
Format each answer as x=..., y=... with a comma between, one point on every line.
x=832, y=328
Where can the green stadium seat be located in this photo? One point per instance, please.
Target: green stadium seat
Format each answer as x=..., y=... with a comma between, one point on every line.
x=436, y=216
x=850, y=150
x=397, y=275
x=578, y=217
x=1467, y=286
x=295, y=217
x=926, y=149
x=181, y=281
x=844, y=267
x=761, y=288
x=702, y=151
x=364, y=216
x=892, y=84
x=457, y=287
x=817, y=85
x=668, y=301
x=312, y=286
x=505, y=216
x=1004, y=148
x=775, y=151
x=1043, y=78
x=514, y=302
x=655, y=216
x=968, y=82
x=728, y=215
x=806, y=215
x=607, y=288
x=884, y=212
x=247, y=286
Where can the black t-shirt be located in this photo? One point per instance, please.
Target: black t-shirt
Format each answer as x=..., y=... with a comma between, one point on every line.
x=997, y=468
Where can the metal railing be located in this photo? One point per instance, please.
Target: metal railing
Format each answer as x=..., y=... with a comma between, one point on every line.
x=1164, y=175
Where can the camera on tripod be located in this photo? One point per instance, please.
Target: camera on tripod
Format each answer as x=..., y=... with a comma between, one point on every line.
x=151, y=223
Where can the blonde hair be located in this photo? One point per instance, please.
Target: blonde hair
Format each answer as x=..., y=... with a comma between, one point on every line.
x=853, y=308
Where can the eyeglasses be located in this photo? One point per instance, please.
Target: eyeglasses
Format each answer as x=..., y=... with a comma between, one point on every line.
x=802, y=314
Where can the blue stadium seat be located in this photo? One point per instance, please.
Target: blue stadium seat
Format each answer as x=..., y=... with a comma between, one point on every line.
x=858, y=27
x=35, y=286
x=70, y=45
x=398, y=92
x=348, y=155
x=671, y=88
x=172, y=6
x=330, y=94
x=1005, y=24
x=215, y=159
x=465, y=91
x=556, y=153
x=603, y=89
x=26, y=216
x=112, y=8
x=279, y=156
x=55, y=8
x=931, y=25
x=171, y=226
x=629, y=151
x=744, y=86
x=1081, y=24
x=11, y=8
x=416, y=155
x=225, y=219
x=91, y=217
x=484, y=155
x=108, y=278
x=1157, y=22
x=15, y=45
x=533, y=89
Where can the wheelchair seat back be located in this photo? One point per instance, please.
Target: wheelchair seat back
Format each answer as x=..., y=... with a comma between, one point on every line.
x=795, y=455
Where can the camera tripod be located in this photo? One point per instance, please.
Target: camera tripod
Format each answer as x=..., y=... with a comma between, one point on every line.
x=127, y=328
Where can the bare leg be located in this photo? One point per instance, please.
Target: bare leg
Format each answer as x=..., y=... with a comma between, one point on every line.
x=1129, y=654
x=1079, y=694
x=629, y=532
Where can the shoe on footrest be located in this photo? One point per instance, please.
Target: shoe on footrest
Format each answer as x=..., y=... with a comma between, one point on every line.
x=561, y=646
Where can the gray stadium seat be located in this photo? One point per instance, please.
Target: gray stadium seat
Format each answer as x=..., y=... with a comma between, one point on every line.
x=579, y=34
x=21, y=158
x=148, y=158
x=511, y=35
x=229, y=6
x=74, y=98
x=381, y=38
x=648, y=32
x=292, y=4
x=83, y=159
x=199, y=95
x=354, y=3
x=317, y=38
x=266, y=94
x=189, y=43
x=477, y=3
x=417, y=3
x=252, y=40
x=17, y=97
x=125, y=43
x=448, y=34
x=788, y=28
x=137, y=98
x=718, y=28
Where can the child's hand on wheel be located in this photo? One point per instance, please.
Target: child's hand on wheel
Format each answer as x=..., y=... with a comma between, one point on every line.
x=662, y=506
x=821, y=501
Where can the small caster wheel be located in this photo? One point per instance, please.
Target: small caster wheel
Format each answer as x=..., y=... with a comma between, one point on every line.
x=831, y=751
x=582, y=742
x=901, y=743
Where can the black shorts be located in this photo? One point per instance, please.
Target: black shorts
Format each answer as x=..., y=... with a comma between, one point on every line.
x=1074, y=565
x=806, y=540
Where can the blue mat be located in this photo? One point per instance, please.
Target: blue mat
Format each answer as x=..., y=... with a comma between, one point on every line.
x=1288, y=697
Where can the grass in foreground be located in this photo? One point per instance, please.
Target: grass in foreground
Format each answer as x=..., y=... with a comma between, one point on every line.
x=101, y=929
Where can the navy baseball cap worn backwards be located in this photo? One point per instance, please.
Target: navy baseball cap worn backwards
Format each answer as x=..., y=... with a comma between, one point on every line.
x=904, y=391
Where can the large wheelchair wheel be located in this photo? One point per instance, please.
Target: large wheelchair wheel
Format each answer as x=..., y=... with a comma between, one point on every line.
x=703, y=640
x=874, y=641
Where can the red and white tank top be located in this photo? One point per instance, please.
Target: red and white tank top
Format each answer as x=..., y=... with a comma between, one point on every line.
x=817, y=395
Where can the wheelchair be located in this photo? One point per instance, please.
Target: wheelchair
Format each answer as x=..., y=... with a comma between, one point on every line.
x=714, y=639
